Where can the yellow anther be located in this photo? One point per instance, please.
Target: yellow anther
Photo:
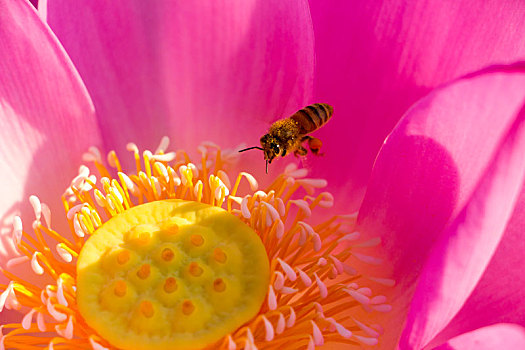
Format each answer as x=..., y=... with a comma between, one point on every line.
x=219, y=285
x=197, y=240
x=144, y=271
x=219, y=255
x=167, y=254
x=146, y=308
x=187, y=307
x=120, y=288
x=123, y=257
x=170, y=285
x=195, y=269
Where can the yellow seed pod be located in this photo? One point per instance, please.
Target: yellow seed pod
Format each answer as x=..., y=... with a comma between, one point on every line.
x=171, y=274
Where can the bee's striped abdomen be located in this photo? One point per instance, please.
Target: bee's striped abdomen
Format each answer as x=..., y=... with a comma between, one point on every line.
x=312, y=117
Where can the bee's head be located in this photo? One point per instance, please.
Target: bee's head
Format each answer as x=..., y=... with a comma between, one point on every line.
x=270, y=147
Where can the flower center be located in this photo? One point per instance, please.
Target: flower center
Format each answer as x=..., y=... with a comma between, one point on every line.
x=171, y=272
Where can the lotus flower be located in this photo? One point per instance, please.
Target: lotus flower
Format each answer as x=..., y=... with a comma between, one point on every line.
x=444, y=194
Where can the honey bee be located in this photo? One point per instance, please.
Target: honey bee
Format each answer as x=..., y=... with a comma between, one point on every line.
x=288, y=135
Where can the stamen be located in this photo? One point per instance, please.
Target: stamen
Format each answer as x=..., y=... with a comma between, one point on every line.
x=163, y=145
x=272, y=300
x=37, y=206
x=269, y=329
x=308, y=272
x=39, y=270
x=317, y=335
x=26, y=321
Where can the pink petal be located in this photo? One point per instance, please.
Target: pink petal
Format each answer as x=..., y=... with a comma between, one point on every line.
x=499, y=296
x=429, y=167
x=498, y=336
x=188, y=69
x=374, y=59
x=46, y=115
x=461, y=255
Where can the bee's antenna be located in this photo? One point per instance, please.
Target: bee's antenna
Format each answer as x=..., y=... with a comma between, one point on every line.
x=266, y=166
x=249, y=148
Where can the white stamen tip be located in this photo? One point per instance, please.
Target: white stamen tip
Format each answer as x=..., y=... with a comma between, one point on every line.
x=358, y=296
x=318, y=336
x=132, y=147
x=272, y=300
x=366, y=340
x=269, y=329
x=26, y=321
x=231, y=343
x=307, y=281
x=384, y=281
x=368, y=330
x=323, y=291
x=163, y=145
x=279, y=280
x=244, y=208
x=16, y=261
x=96, y=346
x=367, y=258
x=17, y=229
x=251, y=180
x=382, y=308
x=168, y=157
x=37, y=206
x=280, y=324
x=290, y=273
x=291, y=318
x=39, y=270
x=40, y=322
x=279, y=230
x=303, y=205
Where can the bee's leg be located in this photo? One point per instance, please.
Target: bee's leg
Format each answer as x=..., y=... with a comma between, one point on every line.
x=300, y=151
x=314, y=144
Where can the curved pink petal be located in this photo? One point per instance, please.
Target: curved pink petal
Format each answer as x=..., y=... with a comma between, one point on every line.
x=498, y=336
x=499, y=296
x=430, y=166
x=374, y=59
x=460, y=257
x=46, y=115
x=188, y=69
x=46, y=119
